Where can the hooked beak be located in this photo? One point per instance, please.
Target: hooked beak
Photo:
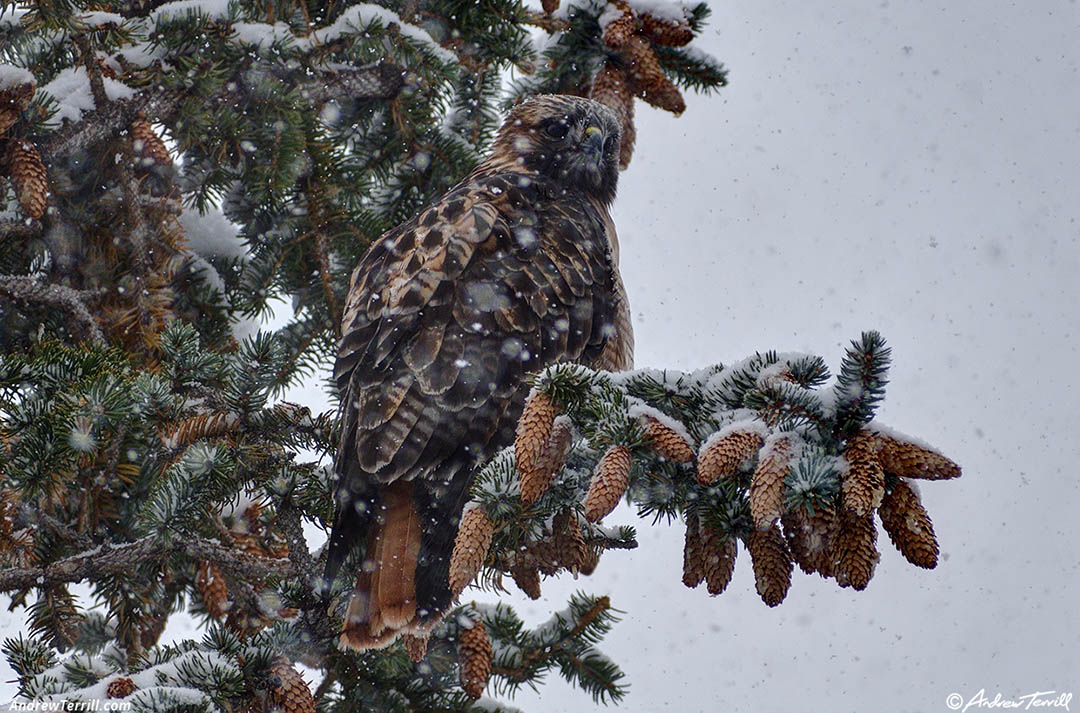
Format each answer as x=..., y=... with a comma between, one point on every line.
x=592, y=141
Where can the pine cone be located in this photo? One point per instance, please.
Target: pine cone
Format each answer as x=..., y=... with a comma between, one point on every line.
x=666, y=441
x=693, y=554
x=862, y=484
x=211, y=585
x=662, y=32
x=772, y=564
x=147, y=145
x=474, y=658
x=550, y=462
x=721, y=457
x=292, y=695
x=13, y=100
x=531, y=441
x=619, y=31
x=470, y=547
x=547, y=558
x=120, y=688
x=570, y=547
x=526, y=576
x=609, y=483
x=647, y=78
x=909, y=526
x=907, y=460
x=28, y=177
x=807, y=537
x=767, y=485
x=592, y=559
x=852, y=549
x=719, y=552
x=415, y=646
x=611, y=88
x=549, y=6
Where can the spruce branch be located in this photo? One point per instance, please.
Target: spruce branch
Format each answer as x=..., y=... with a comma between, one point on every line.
x=29, y=291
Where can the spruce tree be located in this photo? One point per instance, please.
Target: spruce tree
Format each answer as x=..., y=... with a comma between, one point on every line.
x=170, y=170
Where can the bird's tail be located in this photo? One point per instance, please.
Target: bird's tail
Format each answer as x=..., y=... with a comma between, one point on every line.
x=384, y=601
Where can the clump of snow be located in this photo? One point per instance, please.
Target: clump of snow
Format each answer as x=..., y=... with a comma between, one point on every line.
x=666, y=10
x=97, y=18
x=362, y=15
x=211, y=234
x=71, y=89
x=886, y=432
x=213, y=9
x=12, y=76
x=261, y=34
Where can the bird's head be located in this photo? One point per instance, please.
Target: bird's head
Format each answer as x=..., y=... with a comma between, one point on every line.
x=572, y=140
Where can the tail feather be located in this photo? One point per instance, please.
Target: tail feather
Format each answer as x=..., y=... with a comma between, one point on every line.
x=384, y=601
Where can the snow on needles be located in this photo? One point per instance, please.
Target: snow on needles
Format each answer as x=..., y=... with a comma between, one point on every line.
x=71, y=89
x=11, y=76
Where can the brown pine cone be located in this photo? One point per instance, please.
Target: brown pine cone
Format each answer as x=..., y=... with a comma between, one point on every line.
x=592, y=559
x=852, y=549
x=647, y=78
x=909, y=526
x=720, y=457
x=547, y=559
x=28, y=177
x=549, y=6
x=470, y=547
x=415, y=646
x=619, y=31
x=531, y=441
x=767, y=485
x=772, y=564
x=609, y=483
x=862, y=484
x=611, y=88
x=693, y=554
x=663, y=32
x=474, y=658
x=211, y=585
x=14, y=99
x=570, y=546
x=719, y=552
x=147, y=145
x=807, y=537
x=550, y=462
x=120, y=688
x=293, y=694
x=907, y=460
x=666, y=441
x=526, y=576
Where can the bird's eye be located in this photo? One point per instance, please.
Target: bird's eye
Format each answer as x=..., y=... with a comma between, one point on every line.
x=557, y=130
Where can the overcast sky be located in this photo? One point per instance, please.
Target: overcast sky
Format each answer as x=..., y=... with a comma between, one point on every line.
x=910, y=168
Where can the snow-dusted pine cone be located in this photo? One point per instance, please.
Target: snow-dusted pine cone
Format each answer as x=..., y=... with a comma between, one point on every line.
x=666, y=441
x=292, y=695
x=14, y=98
x=720, y=457
x=120, y=688
x=474, y=658
x=570, y=548
x=619, y=31
x=663, y=32
x=772, y=564
x=852, y=549
x=551, y=460
x=693, y=554
x=415, y=646
x=531, y=441
x=909, y=526
x=720, y=551
x=609, y=482
x=808, y=539
x=647, y=77
x=470, y=547
x=526, y=575
x=767, y=485
x=211, y=585
x=862, y=484
x=147, y=145
x=907, y=460
x=546, y=556
x=611, y=88
x=28, y=177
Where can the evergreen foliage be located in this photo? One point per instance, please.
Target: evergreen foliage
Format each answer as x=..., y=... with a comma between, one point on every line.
x=171, y=170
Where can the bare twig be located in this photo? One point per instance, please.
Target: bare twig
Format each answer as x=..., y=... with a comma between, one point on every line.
x=29, y=291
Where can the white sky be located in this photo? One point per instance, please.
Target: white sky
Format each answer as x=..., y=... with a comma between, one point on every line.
x=911, y=168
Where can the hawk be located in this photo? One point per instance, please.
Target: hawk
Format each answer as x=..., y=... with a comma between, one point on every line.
x=512, y=270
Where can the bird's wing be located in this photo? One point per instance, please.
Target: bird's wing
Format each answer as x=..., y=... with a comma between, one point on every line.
x=447, y=313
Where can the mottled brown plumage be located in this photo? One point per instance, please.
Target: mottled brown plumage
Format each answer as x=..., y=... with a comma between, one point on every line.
x=513, y=269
